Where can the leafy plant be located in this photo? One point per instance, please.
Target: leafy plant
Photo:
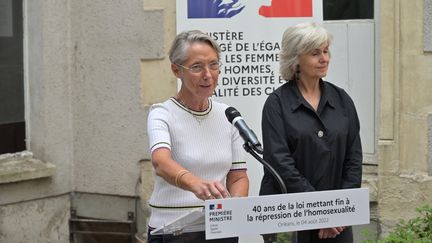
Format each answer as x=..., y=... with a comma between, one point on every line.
x=416, y=230
x=284, y=237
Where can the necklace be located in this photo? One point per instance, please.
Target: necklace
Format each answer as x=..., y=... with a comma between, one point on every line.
x=199, y=116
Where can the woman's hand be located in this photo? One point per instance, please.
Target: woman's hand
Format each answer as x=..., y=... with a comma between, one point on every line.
x=330, y=232
x=204, y=189
x=178, y=176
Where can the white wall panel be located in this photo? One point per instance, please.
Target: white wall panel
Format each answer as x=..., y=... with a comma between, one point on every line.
x=353, y=69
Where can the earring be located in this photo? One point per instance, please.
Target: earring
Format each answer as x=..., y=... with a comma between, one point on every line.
x=297, y=73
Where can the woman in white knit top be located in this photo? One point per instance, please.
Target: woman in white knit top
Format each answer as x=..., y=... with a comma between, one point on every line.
x=196, y=153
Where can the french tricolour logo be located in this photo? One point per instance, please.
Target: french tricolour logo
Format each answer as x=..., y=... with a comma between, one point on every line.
x=230, y=8
x=287, y=8
x=214, y=8
x=215, y=206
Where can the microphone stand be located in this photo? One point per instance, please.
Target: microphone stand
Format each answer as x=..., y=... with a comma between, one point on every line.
x=250, y=150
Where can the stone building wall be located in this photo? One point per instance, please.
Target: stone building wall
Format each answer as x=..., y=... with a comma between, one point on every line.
x=405, y=105
x=94, y=67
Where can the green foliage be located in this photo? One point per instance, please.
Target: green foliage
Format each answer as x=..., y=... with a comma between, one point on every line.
x=278, y=237
x=416, y=230
x=284, y=237
x=367, y=234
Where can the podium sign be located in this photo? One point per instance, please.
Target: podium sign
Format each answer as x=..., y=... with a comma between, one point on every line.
x=285, y=212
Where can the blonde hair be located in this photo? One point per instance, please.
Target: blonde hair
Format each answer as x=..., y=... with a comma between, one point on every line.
x=297, y=40
x=179, y=48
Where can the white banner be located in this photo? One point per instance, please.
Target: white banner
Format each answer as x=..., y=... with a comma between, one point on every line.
x=285, y=212
x=249, y=33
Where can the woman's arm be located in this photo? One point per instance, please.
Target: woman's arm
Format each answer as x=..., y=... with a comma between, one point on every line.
x=176, y=175
x=165, y=166
x=238, y=183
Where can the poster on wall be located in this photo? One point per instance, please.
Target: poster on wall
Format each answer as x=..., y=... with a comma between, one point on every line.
x=249, y=34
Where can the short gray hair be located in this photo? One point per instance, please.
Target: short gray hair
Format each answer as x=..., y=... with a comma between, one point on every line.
x=179, y=48
x=297, y=40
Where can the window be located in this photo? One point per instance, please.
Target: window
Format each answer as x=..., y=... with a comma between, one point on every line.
x=348, y=9
x=353, y=64
x=12, y=122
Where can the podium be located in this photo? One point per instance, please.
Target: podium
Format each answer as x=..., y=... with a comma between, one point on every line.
x=263, y=215
x=193, y=221
x=189, y=228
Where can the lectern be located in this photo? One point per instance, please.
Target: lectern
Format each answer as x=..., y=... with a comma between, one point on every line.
x=258, y=215
x=174, y=231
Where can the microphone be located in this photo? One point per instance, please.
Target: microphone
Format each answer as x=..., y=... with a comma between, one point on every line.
x=234, y=117
x=251, y=143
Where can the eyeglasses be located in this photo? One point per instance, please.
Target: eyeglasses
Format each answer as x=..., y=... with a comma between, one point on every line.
x=199, y=68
